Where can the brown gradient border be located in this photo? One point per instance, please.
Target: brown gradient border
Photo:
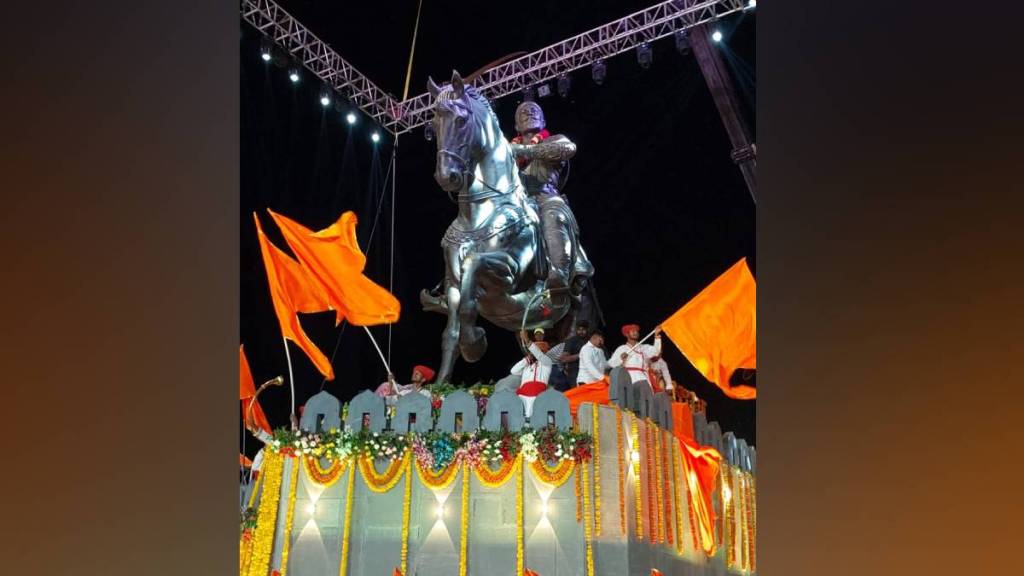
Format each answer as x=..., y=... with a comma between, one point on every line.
x=888, y=275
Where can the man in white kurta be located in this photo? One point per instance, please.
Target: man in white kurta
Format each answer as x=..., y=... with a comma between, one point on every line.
x=391, y=390
x=593, y=364
x=636, y=358
x=660, y=367
x=535, y=370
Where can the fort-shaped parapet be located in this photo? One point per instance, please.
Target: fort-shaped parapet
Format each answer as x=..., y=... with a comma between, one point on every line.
x=630, y=508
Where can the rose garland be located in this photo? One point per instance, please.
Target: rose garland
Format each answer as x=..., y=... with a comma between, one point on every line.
x=622, y=469
x=343, y=569
x=596, y=434
x=638, y=493
x=324, y=477
x=464, y=524
x=289, y=517
x=266, y=521
x=383, y=482
x=406, y=500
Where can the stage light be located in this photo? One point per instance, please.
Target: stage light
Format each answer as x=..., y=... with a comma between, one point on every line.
x=439, y=511
x=682, y=42
x=293, y=75
x=350, y=118
x=544, y=508
x=266, y=46
x=265, y=56
x=544, y=90
x=325, y=98
x=311, y=508
x=375, y=137
x=563, y=85
x=428, y=132
x=716, y=35
x=635, y=456
x=644, y=55
x=598, y=71
x=752, y=4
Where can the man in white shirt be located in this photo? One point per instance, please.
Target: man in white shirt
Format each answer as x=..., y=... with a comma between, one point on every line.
x=535, y=369
x=660, y=369
x=593, y=364
x=636, y=358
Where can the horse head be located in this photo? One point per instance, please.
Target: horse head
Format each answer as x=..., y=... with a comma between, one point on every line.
x=464, y=127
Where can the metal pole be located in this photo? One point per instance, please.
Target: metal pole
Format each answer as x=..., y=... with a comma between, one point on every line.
x=291, y=378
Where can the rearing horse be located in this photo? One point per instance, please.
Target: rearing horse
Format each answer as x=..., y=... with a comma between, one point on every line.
x=492, y=250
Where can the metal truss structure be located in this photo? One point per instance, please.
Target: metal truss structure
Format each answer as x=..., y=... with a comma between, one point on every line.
x=582, y=50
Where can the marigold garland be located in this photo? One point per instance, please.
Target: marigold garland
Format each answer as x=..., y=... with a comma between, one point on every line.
x=321, y=476
x=437, y=480
x=652, y=506
x=464, y=524
x=676, y=484
x=622, y=469
x=519, y=515
x=266, y=519
x=586, y=521
x=752, y=523
x=245, y=546
x=555, y=476
x=343, y=569
x=730, y=519
x=289, y=517
x=638, y=492
x=741, y=479
x=595, y=432
x=494, y=478
x=666, y=486
x=406, y=500
x=578, y=481
x=383, y=482
x=659, y=497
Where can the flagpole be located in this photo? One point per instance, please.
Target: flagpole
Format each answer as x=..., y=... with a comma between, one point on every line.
x=649, y=334
x=291, y=379
x=381, y=354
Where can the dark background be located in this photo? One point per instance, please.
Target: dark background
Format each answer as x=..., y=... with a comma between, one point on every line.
x=662, y=208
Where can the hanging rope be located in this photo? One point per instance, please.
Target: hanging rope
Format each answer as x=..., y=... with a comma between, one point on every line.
x=412, y=51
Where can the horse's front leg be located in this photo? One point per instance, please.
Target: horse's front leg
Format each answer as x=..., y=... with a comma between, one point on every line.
x=450, y=336
x=472, y=338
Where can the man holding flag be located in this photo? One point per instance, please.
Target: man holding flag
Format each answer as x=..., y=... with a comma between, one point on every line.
x=635, y=357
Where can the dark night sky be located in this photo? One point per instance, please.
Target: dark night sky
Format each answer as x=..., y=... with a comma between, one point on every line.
x=662, y=208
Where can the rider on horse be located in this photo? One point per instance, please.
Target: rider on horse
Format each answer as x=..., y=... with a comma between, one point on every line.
x=543, y=159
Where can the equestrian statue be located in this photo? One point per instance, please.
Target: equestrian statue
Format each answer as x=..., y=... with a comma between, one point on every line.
x=513, y=253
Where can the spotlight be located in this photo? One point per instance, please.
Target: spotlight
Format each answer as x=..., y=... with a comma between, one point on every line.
x=350, y=118
x=265, y=56
x=598, y=71
x=544, y=508
x=293, y=75
x=266, y=47
x=752, y=4
x=716, y=35
x=311, y=508
x=634, y=456
x=644, y=55
x=682, y=42
x=325, y=98
x=439, y=510
x=375, y=137
x=428, y=132
x=563, y=85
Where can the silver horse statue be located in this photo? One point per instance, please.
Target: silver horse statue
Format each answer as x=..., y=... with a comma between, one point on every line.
x=493, y=250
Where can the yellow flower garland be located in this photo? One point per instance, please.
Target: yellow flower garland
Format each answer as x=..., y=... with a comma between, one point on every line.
x=730, y=525
x=441, y=479
x=622, y=470
x=495, y=478
x=266, y=518
x=406, y=499
x=245, y=545
x=595, y=432
x=324, y=477
x=741, y=479
x=652, y=505
x=579, y=497
x=464, y=527
x=289, y=517
x=586, y=521
x=636, y=480
x=381, y=483
x=752, y=523
x=678, y=499
x=519, y=515
x=343, y=569
x=555, y=476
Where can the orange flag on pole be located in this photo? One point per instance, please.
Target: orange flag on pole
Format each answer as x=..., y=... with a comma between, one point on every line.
x=717, y=329
x=293, y=291
x=247, y=389
x=333, y=259
x=700, y=465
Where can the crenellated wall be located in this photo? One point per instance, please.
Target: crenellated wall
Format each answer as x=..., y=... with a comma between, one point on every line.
x=624, y=512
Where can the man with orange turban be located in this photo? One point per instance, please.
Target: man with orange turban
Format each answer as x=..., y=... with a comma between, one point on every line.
x=390, y=390
x=634, y=357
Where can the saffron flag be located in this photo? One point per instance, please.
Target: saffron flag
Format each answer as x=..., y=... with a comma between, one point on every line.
x=333, y=259
x=700, y=465
x=293, y=291
x=247, y=390
x=717, y=329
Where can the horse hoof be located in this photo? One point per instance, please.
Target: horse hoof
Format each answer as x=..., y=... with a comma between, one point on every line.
x=474, y=344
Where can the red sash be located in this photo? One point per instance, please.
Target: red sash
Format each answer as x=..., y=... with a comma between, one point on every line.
x=531, y=388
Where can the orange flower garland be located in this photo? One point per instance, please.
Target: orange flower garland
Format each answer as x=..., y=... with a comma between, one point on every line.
x=595, y=433
x=622, y=469
x=406, y=499
x=439, y=480
x=752, y=523
x=652, y=485
x=638, y=493
x=667, y=472
x=586, y=521
x=495, y=478
x=319, y=475
x=676, y=484
x=659, y=496
x=741, y=480
x=383, y=482
x=289, y=517
x=555, y=476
